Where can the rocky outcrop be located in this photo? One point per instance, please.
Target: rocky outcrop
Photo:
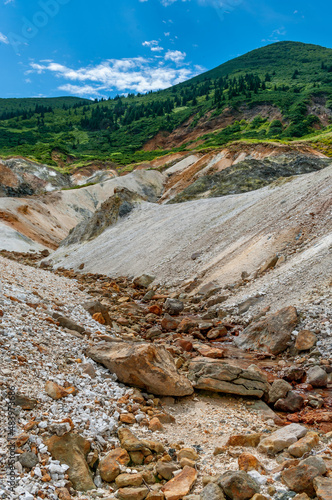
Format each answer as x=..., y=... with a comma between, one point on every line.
x=21, y=177
x=142, y=365
x=214, y=375
x=120, y=204
x=272, y=334
x=249, y=175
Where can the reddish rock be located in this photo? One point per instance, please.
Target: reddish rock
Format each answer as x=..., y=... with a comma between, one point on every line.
x=248, y=462
x=210, y=352
x=186, y=345
x=186, y=325
x=168, y=323
x=300, y=478
x=155, y=309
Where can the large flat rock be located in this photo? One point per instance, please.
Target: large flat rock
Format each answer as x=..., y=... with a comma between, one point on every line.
x=143, y=365
x=214, y=375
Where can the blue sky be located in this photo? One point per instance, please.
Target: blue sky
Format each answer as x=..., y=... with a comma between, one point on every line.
x=101, y=48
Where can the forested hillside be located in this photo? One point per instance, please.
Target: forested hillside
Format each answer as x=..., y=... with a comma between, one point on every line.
x=292, y=80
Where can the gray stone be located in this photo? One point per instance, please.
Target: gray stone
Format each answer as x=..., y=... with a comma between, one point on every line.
x=278, y=390
x=291, y=403
x=282, y=438
x=144, y=281
x=238, y=485
x=28, y=459
x=212, y=492
x=317, y=377
x=214, y=375
x=173, y=306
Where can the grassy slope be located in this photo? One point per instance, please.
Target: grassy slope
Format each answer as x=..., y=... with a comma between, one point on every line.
x=38, y=136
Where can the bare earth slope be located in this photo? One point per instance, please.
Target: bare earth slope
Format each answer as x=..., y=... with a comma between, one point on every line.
x=232, y=234
x=44, y=221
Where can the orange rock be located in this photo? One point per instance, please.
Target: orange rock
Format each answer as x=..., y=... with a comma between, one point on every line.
x=127, y=418
x=180, y=485
x=109, y=469
x=56, y=391
x=210, y=352
x=155, y=424
x=248, y=462
x=120, y=455
x=155, y=309
x=250, y=440
x=99, y=318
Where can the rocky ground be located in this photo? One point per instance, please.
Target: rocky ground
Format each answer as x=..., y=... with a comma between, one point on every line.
x=125, y=389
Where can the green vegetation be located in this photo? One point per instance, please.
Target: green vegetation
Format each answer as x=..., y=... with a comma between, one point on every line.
x=292, y=77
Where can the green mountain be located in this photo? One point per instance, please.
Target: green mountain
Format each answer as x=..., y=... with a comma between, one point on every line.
x=279, y=92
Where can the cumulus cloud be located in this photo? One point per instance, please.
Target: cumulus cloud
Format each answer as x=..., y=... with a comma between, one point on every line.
x=137, y=74
x=175, y=55
x=3, y=38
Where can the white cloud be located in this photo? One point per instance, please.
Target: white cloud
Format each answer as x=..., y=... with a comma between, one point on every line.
x=3, y=38
x=85, y=90
x=6, y=2
x=175, y=55
x=137, y=74
x=275, y=35
x=153, y=45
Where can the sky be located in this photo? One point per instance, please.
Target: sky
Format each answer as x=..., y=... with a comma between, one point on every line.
x=102, y=48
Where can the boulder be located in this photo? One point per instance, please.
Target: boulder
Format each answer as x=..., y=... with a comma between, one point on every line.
x=180, y=485
x=301, y=477
x=173, y=306
x=291, y=403
x=323, y=488
x=142, y=365
x=305, y=340
x=238, y=485
x=278, y=390
x=72, y=449
x=282, y=438
x=271, y=334
x=317, y=377
x=214, y=375
x=168, y=323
